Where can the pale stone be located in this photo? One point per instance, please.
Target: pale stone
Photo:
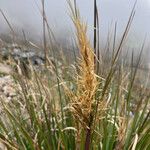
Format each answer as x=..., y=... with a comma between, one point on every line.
x=5, y=69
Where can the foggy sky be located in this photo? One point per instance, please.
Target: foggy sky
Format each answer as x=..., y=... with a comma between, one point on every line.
x=25, y=15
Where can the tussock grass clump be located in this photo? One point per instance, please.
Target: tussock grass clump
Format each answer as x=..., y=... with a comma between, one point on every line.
x=78, y=108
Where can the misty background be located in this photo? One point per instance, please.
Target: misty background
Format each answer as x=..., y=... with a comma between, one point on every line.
x=24, y=14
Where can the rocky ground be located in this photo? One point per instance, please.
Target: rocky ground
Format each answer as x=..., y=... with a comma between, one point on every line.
x=7, y=89
x=13, y=55
x=17, y=54
x=21, y=53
